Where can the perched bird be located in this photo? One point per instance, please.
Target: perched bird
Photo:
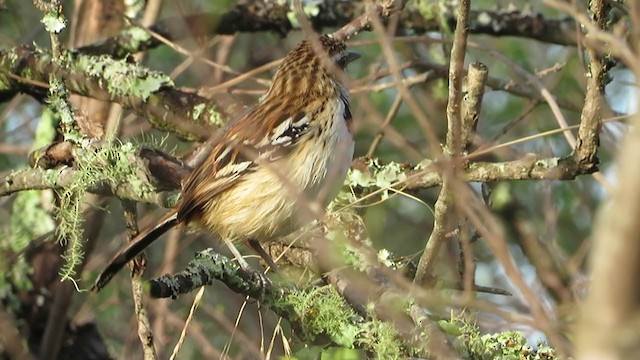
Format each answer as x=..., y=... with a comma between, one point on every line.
x=291, y=150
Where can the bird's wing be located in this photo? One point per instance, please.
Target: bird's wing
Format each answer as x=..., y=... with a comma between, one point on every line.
x=242, y=146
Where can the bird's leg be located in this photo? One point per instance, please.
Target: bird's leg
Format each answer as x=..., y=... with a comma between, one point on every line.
x=261, y=277
x=241, y=261
x=245, y=266
x=255, y=245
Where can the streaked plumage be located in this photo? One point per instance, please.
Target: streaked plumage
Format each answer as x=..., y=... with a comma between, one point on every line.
x=293, y=146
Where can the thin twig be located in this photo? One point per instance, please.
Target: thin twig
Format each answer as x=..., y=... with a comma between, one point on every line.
x=183, y=333
x=393, y=111
x=138, y=265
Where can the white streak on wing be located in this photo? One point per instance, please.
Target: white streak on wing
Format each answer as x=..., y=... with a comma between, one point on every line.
x=280, y=129
x=281, y=140
x=233, y=169
x=224, y=153
x=301, y=122
x=288, y=131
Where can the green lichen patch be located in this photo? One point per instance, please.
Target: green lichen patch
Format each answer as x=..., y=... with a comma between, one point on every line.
x=198, y=110
x=54, y=22
x=376, y=175
x=382, y=338
x=61, y=110
x=208, y=114
x=508, y=345
x=122, y=78
x=323, y=312
x=136, y=34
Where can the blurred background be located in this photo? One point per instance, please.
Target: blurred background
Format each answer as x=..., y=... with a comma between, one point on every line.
x=555, y=216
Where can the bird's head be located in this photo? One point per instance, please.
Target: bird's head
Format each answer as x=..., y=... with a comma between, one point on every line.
x=313, y=66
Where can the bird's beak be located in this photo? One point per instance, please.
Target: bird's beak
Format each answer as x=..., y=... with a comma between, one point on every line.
x=351, y=56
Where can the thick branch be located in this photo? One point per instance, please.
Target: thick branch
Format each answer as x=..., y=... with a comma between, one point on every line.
x=208, y=266
x=263, y=15
x=148, y=93
x=607, y=329
x=591, y=118
x=472, y=102
x=370, y=173
x=608, y=321
x=152, y=173
x=164, y=174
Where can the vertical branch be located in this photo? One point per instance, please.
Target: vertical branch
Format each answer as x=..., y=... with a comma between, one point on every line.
x=436, y=239
x=608, y=327
x=54, y=21
x=614, y=297
x=471, y=105
x=71, y=124
x=137, y=268
x=472, y=102
x=145, y=331
x=456, y=74
x=444, y=204
x=590, y=118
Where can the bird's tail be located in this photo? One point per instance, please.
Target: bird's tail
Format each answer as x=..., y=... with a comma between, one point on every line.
x=135, y=247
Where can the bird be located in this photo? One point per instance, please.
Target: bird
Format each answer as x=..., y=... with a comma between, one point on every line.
x=292, y=149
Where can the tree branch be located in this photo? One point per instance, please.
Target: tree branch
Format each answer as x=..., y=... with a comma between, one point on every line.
x=150, y=94
x=164, y=173
x=443, y=209
x=371, y=173
x=262, y=15
x=151, y=174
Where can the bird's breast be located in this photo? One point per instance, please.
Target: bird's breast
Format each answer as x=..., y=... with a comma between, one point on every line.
x=325, y=160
